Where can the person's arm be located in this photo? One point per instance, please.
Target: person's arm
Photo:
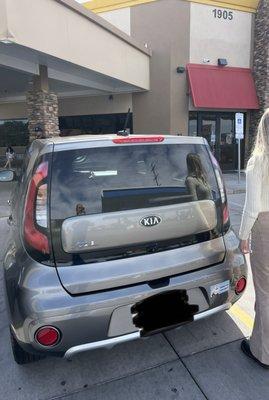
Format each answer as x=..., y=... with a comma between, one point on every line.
x=252, y=205
x=191, y=186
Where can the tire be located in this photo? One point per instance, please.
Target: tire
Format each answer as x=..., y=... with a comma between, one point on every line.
x=21, y=356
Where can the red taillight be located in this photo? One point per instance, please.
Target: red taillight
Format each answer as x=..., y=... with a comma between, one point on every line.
x=225, y=214
x=146, y=139
x=32, y=215
x=240, y=285
x=47, y=336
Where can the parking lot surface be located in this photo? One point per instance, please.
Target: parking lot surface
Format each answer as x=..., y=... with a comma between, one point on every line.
x=198, y=361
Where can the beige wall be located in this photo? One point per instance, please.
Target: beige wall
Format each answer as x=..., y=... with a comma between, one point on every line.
x=3, y=20
x=120, y=18
x=95, y=105
x=164, y=25
x=75, y=106
x=180, y=53
x=13, y=110
x=212, y=38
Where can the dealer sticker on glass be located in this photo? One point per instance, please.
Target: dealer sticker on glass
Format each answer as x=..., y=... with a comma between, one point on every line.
x=219, y=288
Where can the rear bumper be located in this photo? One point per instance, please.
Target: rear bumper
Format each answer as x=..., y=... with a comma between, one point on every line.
x=109, y=343
x=89, y=323
x=103, y=318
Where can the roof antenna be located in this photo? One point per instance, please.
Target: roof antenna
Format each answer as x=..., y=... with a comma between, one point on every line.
x=124, y=131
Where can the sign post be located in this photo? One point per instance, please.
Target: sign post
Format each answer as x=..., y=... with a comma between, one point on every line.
x=239, y=135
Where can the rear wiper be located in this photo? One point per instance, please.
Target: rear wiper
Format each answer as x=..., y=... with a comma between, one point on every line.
x=156, y=175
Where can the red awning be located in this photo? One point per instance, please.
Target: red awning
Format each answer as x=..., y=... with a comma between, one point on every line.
x=222, y=87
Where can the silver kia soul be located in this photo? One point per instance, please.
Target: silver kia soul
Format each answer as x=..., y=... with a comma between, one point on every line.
x=115, y=238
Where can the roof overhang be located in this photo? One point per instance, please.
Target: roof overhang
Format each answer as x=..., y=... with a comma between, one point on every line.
x=99, y=6
x=77, y=46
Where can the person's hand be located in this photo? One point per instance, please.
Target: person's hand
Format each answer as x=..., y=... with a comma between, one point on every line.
x=244, y=246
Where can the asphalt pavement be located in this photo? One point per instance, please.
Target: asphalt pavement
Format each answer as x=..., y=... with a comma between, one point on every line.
x=201, y=360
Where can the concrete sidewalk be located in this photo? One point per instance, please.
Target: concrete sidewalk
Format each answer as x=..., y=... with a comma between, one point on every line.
x=232, y=184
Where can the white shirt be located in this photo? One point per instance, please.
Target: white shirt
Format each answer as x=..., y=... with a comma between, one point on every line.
x=257, y=197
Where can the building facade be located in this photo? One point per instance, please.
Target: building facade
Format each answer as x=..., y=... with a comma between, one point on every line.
x=203, y=57
x=186, y=38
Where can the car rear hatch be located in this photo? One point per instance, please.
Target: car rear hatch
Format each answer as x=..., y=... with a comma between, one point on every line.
x=132, y=210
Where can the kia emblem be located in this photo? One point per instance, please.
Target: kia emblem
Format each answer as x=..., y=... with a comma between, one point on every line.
x=150, y=221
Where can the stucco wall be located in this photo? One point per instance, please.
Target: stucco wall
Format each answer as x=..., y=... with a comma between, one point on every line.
x=120, y=18
x=13, y=110
x=95, y=105
x=164, y=25
x=75, y=106
x=213, y=37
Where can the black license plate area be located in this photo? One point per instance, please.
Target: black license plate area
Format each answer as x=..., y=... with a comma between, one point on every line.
x=163, y=311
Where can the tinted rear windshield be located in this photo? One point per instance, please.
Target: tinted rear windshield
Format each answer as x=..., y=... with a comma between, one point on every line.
x=118, y=178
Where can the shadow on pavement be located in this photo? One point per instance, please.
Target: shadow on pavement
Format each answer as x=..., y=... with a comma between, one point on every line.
x=206, y=334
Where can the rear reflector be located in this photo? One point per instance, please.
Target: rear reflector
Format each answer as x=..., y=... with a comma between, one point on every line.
x=47, y=336
x=147, y=139
x=240, y=285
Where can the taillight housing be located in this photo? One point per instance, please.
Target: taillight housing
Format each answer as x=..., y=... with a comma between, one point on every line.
x=35, y=223
x=225, y=214
x=224, y=203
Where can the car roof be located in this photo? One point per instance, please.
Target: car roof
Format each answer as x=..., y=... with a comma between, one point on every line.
x=81, y=139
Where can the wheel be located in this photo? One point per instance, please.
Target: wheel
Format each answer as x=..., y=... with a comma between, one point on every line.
x=21, y=356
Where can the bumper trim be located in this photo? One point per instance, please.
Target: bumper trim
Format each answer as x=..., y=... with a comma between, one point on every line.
x=103, y=343
x=108, y=343
x=212, y=311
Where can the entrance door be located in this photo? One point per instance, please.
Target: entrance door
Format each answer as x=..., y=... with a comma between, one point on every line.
x=208, y=130
x=228, y=148
x=219, y=130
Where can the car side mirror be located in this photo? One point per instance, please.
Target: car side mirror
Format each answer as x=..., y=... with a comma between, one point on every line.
x=7, y=176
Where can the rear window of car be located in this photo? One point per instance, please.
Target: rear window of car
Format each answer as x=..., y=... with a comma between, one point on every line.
x=119, y=178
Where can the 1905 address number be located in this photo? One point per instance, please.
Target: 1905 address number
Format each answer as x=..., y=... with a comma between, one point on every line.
x=223, y=14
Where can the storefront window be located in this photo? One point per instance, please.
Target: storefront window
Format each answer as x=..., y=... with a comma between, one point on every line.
x=93, y=124
x=193, y=124
x=14, y=132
